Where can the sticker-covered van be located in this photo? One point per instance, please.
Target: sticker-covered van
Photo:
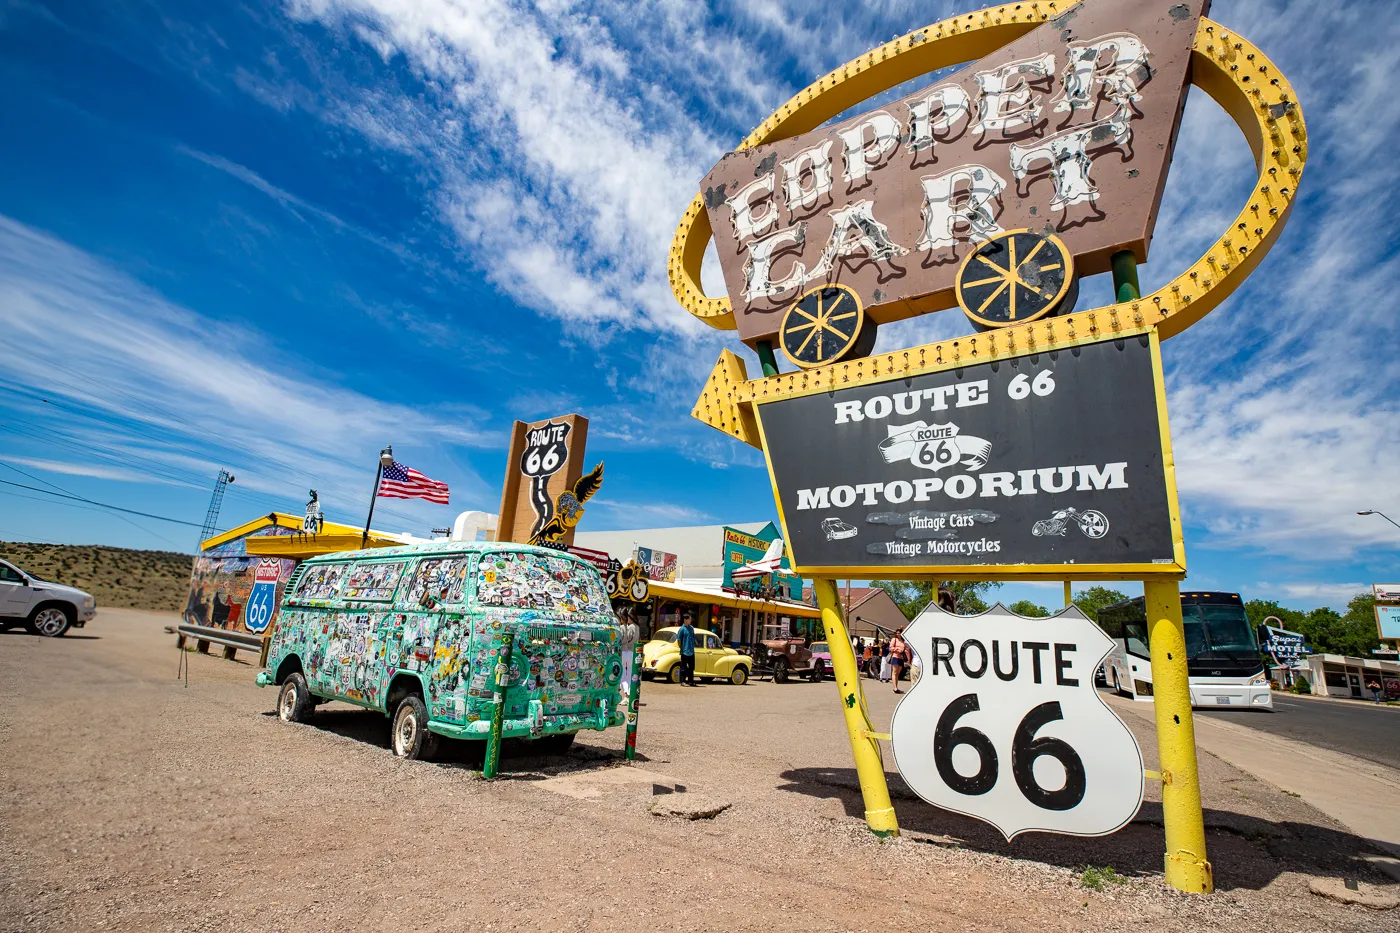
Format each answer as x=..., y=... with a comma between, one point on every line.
x=415, y=632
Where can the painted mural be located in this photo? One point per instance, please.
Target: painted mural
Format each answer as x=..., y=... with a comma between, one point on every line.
x=444, y=627
x=222, y=584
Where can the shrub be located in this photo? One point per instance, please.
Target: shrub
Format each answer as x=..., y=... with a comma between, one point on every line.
x=1099, y=878
x=1301, y=685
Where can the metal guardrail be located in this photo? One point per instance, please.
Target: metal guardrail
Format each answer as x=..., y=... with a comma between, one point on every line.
x=231, y=641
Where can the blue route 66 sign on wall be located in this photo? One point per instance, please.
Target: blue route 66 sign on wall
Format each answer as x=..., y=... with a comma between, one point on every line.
x=262, y=602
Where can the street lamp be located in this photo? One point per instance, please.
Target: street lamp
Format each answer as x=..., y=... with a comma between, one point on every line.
x=386, y=460
x=1381, y=514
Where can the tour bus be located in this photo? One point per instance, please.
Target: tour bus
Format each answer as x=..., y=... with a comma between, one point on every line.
x=1222, y=652
x=415, y=631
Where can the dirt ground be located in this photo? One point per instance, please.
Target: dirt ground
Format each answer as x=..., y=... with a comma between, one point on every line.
x=134, y=802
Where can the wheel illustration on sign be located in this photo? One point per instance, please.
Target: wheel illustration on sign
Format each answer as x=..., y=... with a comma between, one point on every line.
x=1092, y=522
x=1014, y=277
x=836, y=530
x=825, y=325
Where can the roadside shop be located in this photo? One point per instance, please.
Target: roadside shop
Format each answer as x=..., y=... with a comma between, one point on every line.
x=704, y=558
x=1333, y=675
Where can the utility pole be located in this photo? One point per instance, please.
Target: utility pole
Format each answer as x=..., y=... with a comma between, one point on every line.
x=216, y=501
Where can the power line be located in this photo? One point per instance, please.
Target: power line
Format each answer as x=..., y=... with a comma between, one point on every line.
x=115, y=508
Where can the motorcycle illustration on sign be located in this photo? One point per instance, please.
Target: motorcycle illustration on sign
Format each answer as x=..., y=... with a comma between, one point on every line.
x=1092, y=522
x=1005, y=724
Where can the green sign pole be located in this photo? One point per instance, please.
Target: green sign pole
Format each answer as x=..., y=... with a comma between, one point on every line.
x=634, y=703
x=498, y=706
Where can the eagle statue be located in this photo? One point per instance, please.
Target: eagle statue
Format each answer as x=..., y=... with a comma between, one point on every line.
x=568, y=508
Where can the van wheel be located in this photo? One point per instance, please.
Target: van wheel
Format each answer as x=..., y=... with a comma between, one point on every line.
x=675, y=675
x=411, y=738
x=739, y=676
x=50, y=621
x=780, y=671
x=294, y=703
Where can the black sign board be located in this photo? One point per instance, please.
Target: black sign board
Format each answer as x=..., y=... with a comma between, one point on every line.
x=1024, y=466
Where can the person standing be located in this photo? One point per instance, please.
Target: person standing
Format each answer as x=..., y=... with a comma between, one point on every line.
x=899, y=657
x=1374, y=685
x=686, y=639
x=885, y=662
x=630, y=636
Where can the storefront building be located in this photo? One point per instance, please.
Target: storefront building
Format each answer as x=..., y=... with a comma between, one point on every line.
x=702, y=586
x=1333, y=675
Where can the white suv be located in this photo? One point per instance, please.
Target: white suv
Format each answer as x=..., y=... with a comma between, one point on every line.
x=45, y=608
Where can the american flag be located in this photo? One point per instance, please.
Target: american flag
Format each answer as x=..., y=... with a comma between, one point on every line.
x=401, y=482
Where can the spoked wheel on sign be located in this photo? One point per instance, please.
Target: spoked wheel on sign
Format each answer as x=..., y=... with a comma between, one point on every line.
x=825, y=325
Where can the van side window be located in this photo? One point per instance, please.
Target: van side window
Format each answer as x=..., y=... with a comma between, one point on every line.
x=444, y=578
x=321, y=581
x=511, y=580
x=372, y=580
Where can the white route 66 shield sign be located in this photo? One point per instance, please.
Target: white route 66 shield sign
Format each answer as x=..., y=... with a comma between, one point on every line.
x=1005, y=724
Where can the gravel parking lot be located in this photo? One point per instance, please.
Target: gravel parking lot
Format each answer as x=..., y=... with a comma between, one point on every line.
x=135, y=802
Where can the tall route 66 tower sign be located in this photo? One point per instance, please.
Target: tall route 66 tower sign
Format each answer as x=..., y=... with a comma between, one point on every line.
x=1034, y=447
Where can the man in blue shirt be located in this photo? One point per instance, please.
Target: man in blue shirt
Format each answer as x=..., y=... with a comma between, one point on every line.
x=686, y=638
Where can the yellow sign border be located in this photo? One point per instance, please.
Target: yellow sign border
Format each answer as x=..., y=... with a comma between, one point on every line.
x=1173, y=571
x=1235, y=73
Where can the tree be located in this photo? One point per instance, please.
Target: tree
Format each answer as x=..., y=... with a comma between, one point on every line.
x=911, y=596
x=1093, y=599
x=1260, y=609
x=1025, y=607
x=1353, y=634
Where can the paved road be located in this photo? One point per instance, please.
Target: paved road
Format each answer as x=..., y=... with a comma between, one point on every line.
x=1351, y=728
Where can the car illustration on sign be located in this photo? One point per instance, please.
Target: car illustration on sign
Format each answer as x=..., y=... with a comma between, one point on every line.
x=836, y=529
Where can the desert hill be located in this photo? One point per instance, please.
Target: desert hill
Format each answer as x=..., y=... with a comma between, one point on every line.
x=114, y=576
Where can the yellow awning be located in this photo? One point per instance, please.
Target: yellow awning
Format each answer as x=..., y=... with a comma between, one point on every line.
x=300, y=547
x=694, y=595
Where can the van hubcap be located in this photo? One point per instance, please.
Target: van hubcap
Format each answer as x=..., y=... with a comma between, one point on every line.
x=50, y=621
x=289, y=702
x=404, y=734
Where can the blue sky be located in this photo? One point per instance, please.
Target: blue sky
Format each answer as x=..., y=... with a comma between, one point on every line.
x=272, y=237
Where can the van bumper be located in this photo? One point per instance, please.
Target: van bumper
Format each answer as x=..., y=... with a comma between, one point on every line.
x=522, y=727
x=265, y=679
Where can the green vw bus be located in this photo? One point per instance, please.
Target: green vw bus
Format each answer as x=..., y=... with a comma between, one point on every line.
x=415, y=631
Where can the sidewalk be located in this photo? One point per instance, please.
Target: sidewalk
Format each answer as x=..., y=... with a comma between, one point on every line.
x=1359, y=794
x=1350, y=701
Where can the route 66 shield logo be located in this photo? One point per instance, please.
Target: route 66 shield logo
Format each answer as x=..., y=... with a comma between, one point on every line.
x=1005, y=724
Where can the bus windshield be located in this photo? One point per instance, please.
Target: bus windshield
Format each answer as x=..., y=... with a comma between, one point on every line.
x=1219, y=631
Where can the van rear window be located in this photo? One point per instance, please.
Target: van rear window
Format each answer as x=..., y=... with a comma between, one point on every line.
x=512, y=580
x=443, y=577
x=372, y=580
x=321, y=581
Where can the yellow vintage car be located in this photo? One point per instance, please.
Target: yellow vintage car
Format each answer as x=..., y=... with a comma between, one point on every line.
x=661, y=657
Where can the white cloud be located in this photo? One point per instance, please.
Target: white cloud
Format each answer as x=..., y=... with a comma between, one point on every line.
x=90, y=469
x=156, y=382
x=1336, y=595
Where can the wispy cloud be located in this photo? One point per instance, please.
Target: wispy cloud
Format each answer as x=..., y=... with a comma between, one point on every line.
x=161, y=383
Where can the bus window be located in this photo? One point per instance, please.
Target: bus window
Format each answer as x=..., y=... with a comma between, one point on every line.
x=443, y=578
x=321, y=581
x=1135, y=637
x=512, y=580
x=1223, y=629
x=374, y=580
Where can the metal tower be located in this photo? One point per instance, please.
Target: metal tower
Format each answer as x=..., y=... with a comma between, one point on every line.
x=211, y=518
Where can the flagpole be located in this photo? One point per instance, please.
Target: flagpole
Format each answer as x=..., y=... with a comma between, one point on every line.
x=387, y=454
